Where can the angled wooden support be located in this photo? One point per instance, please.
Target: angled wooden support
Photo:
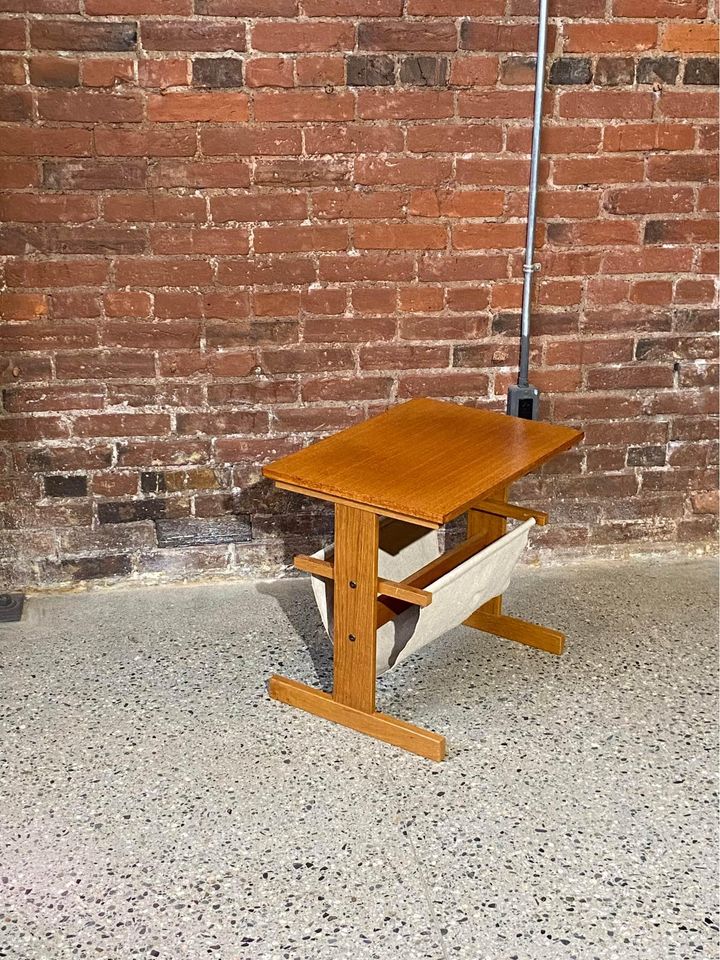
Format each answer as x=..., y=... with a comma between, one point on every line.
x=510, y=511
x=386, y=588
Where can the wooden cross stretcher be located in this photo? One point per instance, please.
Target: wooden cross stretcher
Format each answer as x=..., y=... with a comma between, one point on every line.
x=424, y=462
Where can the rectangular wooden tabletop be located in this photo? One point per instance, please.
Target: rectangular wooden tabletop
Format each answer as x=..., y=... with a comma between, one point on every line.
x=425, y=460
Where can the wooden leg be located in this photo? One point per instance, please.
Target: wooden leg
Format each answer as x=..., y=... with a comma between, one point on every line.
x=355, y=607
x=491, y=528
x=352, y=702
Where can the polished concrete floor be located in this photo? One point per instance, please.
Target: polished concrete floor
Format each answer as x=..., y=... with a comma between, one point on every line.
x=155, y=803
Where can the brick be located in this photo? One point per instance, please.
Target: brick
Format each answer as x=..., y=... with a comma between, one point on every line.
x=354, y=389
x=648, y=136
x=473, y=71
x=217, y=72
x=107, y=72
x=168, y=72
x=606, y=104
x=251, y=209
x=701, y=71
x=404, y=357
x=19, y=174
x=66, y=486
x=79, y=569
x=289, y=239
x=604, y=37
x=407, y=35
x=655, y=199
x=154, y=207
x=320, y=70
x=658, y=70
x=131, y=511
x=404, y=104
x=660, y=9
x=295, y=36
x=681, y=167
x=349, y=330
x=370, y=71
x=614, y=71
x=158, y=142
x=193, y=35
x=496, y=103
x=198, y=174
x=204, y=107
x=12, y=70
x=353, y=138
x=89, y=107
x=685, y=104
x=94, y=175
x=269, y=72
x=295, y=172
x=303, y=105
x=519, y=38
x=424, y=71
x=12, y=34
x=680, y=231
x=604, y=170
x=43, y=208
x=493, y=236
x=27, y=429
x=570, y=71
x=192, y=531
x=107, y=36
x=249, y=141
x=402, y=170
x=352, y=8
x=690, y=37
x=500, y=172
x=246, y=8
x=130, y=8
x=54, y=72
x=15, y=105
x=460, y=138
x=399, y=237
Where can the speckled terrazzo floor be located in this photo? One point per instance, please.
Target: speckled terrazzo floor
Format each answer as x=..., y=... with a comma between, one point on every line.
x=155, y=803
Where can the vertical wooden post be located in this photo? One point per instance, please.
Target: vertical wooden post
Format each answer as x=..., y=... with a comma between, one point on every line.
x=491, y=528
x=355, y=607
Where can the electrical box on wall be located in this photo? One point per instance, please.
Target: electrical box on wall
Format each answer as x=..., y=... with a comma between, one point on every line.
x=523, y=402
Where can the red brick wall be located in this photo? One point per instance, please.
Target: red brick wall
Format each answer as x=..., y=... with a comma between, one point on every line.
x=233, y=226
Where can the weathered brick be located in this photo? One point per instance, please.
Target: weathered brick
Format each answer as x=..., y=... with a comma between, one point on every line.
x=658, y=69
x=217, y=72
x=66, y=486
x=193, y=531
x=614, y=71
x=370, y=71
x=107, y=35
x=701, y=71
x=424, y=71
x=407, y=35
x=570, y=71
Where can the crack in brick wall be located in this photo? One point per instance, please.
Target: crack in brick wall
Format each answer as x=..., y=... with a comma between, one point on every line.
x=233, y=226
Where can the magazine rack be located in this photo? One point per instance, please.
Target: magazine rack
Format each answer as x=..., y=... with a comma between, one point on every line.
x=421, y=465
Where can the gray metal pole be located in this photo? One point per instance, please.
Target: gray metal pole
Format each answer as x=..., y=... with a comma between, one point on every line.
x=529, y=266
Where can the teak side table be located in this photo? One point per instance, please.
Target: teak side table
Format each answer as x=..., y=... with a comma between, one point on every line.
x=424, y=462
